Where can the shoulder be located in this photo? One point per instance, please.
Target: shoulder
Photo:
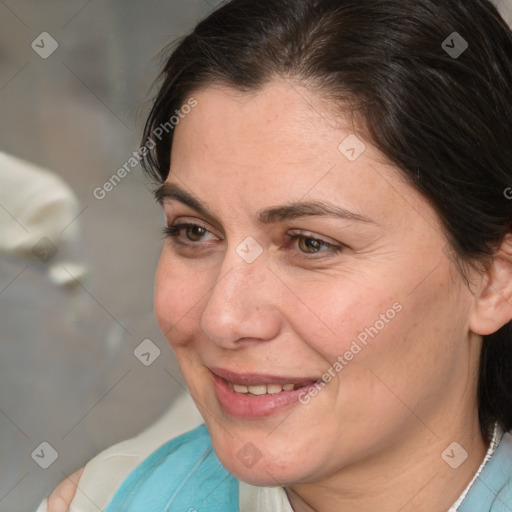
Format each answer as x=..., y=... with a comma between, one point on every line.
x=184, y=474
x=105, y=473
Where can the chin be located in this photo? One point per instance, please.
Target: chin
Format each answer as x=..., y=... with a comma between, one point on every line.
x=261, y=475
x=245, y=462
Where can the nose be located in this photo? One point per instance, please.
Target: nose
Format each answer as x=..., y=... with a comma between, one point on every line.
x=242, y=306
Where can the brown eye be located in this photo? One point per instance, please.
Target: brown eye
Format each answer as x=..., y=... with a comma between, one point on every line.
x=309, y=245
x=304, y=244
x=188, y=234
x=195, y=233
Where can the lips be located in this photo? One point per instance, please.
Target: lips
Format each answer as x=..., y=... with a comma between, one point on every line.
x=257, y=395
x=258, y=379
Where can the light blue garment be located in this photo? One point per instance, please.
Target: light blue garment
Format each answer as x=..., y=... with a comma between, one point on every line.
x=184, y=475
x=492, y=490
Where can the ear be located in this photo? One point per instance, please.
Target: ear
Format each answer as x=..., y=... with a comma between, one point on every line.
x=493, y=301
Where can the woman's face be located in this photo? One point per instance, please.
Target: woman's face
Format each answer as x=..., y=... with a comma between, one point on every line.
x=309, y=259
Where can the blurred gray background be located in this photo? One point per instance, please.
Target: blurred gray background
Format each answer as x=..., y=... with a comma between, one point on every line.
x=68, y=373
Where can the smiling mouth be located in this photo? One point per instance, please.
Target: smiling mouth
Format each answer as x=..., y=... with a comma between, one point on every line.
x=257, y=395
x=253, y=385
x=264, y=389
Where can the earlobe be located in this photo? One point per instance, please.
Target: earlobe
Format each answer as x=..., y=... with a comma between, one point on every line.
x=493, y=302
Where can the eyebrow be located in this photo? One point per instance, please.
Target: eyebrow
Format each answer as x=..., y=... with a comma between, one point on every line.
x=272, y=215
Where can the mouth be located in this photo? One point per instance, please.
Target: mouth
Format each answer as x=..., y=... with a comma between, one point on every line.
x=263, y=389
x=253, y=396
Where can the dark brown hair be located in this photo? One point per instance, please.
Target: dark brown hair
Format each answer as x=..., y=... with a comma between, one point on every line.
x=441, y=114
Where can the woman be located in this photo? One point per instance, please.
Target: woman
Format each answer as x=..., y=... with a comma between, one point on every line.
x=336, y=281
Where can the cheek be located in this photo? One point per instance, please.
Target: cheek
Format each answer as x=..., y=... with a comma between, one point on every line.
x=345, y=317
x=387, y=333
x=409, y=361
x=178, y=294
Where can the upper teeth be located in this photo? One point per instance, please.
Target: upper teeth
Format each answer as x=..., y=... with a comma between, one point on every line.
x=263, y=389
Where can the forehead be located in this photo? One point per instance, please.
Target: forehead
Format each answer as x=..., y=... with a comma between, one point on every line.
x=282, y=143
x=281, y=119
x=279, y=134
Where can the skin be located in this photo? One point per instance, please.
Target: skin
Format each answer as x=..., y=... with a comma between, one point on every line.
x=61, y=497
x=372, y=438
x=375, y=434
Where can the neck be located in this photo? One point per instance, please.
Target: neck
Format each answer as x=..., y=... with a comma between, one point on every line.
x=409, y=476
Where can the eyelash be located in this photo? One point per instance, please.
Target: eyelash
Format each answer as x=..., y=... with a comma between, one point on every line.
x=173, y=232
